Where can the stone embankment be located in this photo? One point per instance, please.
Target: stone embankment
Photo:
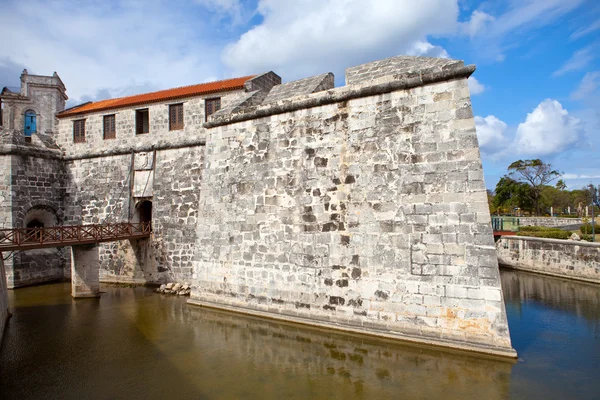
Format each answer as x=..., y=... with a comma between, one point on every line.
x=179, y=289
x=564, y=258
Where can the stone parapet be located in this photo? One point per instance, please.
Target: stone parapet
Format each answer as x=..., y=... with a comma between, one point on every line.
x=563, y=258
x=300, y=87
x=346, y=93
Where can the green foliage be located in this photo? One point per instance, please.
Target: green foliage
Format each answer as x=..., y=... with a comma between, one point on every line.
x=549, y=233
x=587, y=238
x=510, y=194
x=586, y=227
x=534, y=173
x=534, y=228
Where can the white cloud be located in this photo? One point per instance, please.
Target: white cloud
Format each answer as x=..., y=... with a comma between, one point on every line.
x=476, y=23
x=531, y=13
x=580, y=59
x=120, y=47
x=474, y=86
x=307, y=37
x=424, y=48
x=492, y=35
x=549, y=129
x=588, y=85
x=490, y=134
x=572, y=176
x=586, y=31
x=234, y=9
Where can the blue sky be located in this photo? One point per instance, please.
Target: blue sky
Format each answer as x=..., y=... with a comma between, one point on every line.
x=535, y=94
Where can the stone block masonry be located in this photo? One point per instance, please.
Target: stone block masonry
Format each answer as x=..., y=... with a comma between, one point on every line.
x=563, y=258
x=360, y=208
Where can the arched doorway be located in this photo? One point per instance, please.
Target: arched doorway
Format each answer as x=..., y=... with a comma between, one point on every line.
x=29, y=127
x=144, y=211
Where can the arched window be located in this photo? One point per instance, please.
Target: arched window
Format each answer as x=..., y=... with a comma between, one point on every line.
x=30, y=124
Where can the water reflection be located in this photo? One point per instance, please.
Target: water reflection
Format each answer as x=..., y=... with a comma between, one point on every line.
x=577, y=298
x=133, y=343
x=554, y=326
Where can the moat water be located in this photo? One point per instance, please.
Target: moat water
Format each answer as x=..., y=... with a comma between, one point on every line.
x=135, y=344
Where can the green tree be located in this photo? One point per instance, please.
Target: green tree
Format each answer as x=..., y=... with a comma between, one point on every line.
x=510, y=194
x=536, y=174
x=593, y=194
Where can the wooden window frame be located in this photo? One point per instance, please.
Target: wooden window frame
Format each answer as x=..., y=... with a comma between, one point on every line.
x=139, y=121
x=109, y=123
x=211, y=106
x=79, y=131
x=175, y=117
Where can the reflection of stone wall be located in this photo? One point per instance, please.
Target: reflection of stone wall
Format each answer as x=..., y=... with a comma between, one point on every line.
x=37, y=266
x=577, y=298
x=565, y=258
x=355, y=367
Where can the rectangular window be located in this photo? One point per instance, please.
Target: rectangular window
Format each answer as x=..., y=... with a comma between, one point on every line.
x=142, y=124
x=79, y=131
x=110, y=128
x=211, y=106
x=175, y=117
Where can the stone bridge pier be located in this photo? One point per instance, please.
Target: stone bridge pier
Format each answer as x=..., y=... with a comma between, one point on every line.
x=85, y=271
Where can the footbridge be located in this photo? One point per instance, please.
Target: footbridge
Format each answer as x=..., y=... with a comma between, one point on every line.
x=83, y=239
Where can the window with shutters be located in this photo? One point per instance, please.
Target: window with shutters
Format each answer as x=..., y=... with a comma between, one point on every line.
x=211, y=106
x=79, y=131
x=142, y=123
x=175, y=117
x=110, y=128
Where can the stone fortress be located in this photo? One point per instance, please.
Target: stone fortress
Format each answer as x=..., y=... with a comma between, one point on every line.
x=361, y=208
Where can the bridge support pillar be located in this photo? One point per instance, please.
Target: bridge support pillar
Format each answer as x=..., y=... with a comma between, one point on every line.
x=85, y=271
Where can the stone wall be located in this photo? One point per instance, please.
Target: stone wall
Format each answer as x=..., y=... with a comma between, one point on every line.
x=6, y=198
x=361, y=208
x=38, y=186
x=101, y=193
x=549, y=222
x=3, y=299
x=564, y=258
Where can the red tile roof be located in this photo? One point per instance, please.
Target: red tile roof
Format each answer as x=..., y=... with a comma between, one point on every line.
x=161, y=95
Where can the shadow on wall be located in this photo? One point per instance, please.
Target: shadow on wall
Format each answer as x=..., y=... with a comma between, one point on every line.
x=138, y=261
x=39, y=265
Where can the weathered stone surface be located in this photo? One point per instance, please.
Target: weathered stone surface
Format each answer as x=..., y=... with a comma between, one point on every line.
x=399, y=66
x=302, y=86
x=358, y=214
x=564, y=258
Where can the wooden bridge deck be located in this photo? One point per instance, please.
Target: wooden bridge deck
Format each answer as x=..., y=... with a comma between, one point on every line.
x=69, y=235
